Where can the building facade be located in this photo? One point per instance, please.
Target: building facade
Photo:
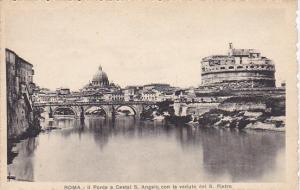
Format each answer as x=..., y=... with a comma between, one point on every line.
x=19, y=89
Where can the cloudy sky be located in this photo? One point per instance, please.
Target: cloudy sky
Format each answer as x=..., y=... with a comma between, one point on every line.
x=138, y=43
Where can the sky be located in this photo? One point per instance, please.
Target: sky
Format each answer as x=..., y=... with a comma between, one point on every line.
x=139, y=43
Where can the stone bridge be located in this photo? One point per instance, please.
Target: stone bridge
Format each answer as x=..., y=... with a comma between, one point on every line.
x=79, y=108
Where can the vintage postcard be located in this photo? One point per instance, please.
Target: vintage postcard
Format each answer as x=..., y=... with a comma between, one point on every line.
x=148, y=95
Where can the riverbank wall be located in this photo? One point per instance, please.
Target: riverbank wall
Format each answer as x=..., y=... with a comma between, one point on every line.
x=247, y=112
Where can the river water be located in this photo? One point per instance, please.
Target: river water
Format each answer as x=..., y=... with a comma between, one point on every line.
x=130, y=150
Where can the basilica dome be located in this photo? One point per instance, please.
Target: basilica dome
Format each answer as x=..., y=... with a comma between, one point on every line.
x=100, y=78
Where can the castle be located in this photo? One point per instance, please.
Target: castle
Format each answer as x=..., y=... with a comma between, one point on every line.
x=241, y=68
x=243, y=74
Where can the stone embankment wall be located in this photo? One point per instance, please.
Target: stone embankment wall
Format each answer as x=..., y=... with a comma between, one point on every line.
x=264, y=113
x=268, y=103
x=184, y=109
x=235, y=106
x=234, y=100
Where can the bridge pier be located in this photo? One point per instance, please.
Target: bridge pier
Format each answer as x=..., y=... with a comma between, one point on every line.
x=50, y=113
x=113, y=113
x=108, y=115
x=137, y=116
x=82, y=114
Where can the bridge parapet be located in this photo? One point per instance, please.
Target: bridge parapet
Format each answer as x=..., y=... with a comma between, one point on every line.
x=123, y=103
x=109, y=108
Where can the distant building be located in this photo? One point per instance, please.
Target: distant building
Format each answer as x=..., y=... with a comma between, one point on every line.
x=150, y=95
x=100, y=83
x=166, y=96
x=132, y=93
x=156, y=86
x=63, y=91
x=241, y=68
x=114, y=96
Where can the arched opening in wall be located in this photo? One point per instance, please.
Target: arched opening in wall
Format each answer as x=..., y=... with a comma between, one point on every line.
x=125, y=111
x=95, y=111
x=64, y=111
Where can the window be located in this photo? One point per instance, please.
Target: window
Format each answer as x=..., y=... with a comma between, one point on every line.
x=230, y=67
x=222, y=67
x=239, y=67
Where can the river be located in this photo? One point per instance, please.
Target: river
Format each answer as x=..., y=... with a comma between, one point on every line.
x=130, y=150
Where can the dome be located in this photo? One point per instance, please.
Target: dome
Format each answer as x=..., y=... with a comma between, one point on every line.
x=100, y=78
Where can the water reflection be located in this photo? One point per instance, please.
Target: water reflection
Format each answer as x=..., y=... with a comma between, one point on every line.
x=129, y=150
x=24, y=167
x=244, y=156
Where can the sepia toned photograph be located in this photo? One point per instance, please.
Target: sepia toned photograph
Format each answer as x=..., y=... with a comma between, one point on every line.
x=135, y=94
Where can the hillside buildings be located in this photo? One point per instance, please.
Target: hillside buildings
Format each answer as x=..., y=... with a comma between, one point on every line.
x=101, y=89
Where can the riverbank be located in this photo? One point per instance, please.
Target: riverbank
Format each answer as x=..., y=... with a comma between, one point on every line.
x=240, y=112
x=258, y=113
x=257, y=120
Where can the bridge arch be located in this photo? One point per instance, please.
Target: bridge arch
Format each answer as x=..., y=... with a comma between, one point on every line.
x=134, y=110
x=65, y=110
x=86, y=109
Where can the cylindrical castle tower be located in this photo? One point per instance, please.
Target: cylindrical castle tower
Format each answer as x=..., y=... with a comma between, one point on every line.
x=241, y=68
